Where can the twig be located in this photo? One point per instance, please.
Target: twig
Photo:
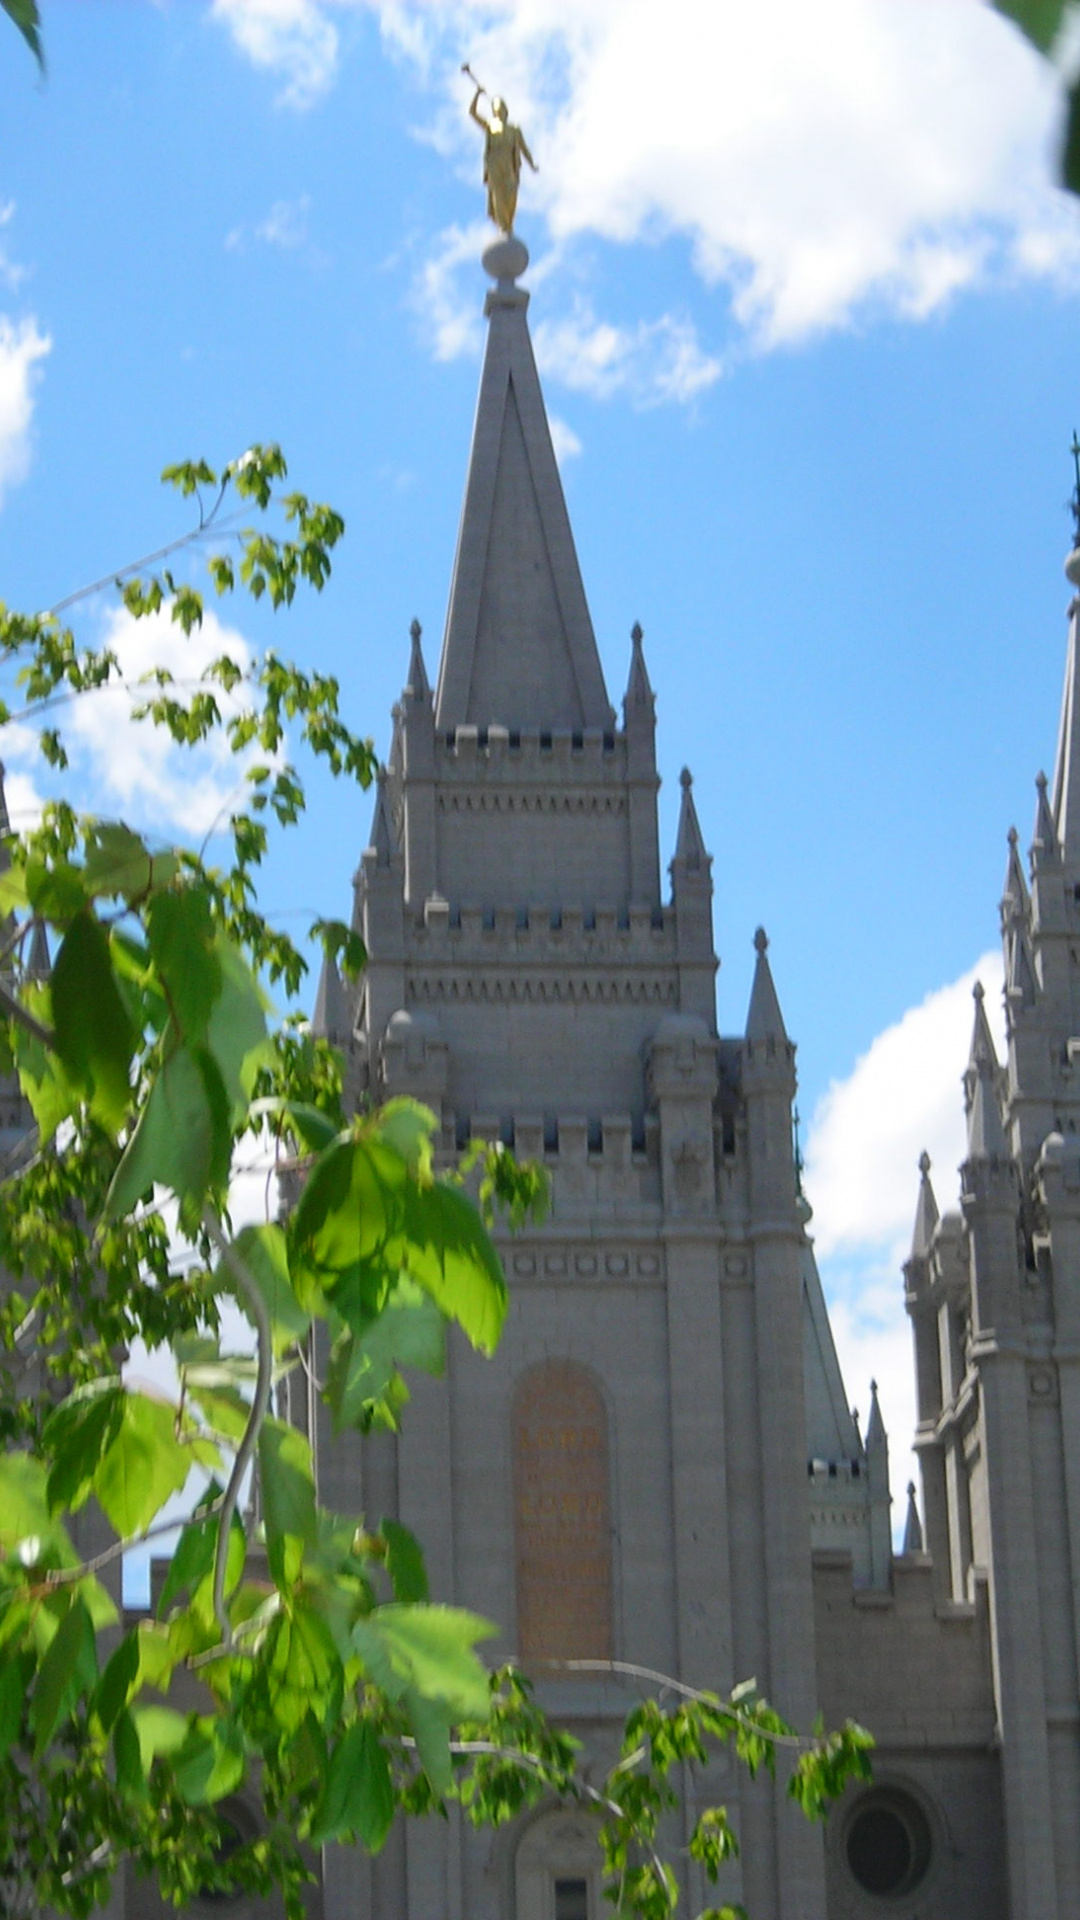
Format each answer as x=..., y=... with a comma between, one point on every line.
x=24, y=1017
x=667, y=1684
x=206, y=522
x=258, y=1313
x=64, y=1576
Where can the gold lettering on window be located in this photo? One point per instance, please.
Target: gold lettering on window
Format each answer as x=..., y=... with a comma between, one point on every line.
x=561, y=1516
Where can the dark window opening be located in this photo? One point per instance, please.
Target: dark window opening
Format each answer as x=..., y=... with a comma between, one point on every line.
x=577, y=741
x=482, y=738
x=515, y=740
x=727, y=1132
x=888, y=1844
x=506, y=1130
x=556, y=918
x=522, y=919
x=594, y=1133
x=551, y=1134
x=571, y=1900
x=637, y=1132
x=609, y=743
x=545, y=743
x=588, y=919
x=489, y=919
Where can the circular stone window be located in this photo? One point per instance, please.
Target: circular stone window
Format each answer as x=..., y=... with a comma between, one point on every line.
x=887, y=1843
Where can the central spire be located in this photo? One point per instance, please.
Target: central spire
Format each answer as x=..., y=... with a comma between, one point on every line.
x=519, y=650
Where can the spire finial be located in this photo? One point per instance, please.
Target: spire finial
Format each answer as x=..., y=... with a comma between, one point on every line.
x=415, y=630
x=636, y=634
x=978, y=992
x=924, y=1163
x=761, y=941
x=686, y=779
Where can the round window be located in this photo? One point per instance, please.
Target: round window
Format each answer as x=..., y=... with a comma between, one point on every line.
x=887, y=1843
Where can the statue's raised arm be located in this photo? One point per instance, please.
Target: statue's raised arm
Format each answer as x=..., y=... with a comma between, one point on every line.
x=505, y=147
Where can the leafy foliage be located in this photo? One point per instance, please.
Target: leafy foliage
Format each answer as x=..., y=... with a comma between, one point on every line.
x=303, y=1656
x=1042, y=21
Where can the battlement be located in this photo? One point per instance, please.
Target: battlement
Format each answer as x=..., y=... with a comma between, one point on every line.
x=552, y=756
x=542, y=932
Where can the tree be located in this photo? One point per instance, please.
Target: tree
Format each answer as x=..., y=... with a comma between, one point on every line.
x=320, y=1668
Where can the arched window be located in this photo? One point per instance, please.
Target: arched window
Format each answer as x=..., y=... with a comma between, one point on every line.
x=562, y=1522
x=557, y=1869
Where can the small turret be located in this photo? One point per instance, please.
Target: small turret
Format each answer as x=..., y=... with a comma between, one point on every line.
x=765, y=1028
x=926, y=1212
x=913, y=1533
x=331, y=1019
x=986, y=1135
x=1044, y=841
x=1014, y=895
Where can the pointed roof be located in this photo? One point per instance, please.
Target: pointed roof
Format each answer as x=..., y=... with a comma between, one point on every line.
x=926, y=1212
x=39, y=961
x=417, y=683
x=690, y=850
x=1066, y=800
x=1044, y=844
x=519, y=649
x=639, y=697
x=383, y=836
x=986, y=1135
x=875, y=1426
x=331, y=1019
x=913, y=1533
x=1014, y=894
x=764, y=1021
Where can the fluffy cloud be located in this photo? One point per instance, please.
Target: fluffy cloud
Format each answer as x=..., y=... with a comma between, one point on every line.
x=823, y=158
x=290, y=38
x=22, y=347
x=132, y=764
x=285, y=226
x=903, y=1096
x=651, y=362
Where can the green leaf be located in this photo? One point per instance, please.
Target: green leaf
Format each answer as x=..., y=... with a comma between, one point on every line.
x=15, y=1674
x=357, y=1801
x=407, y=1127
x=77, y=1435
x=209, y=1764
x=160, y=1730
x=431, y=1722
x=236, y=1032
x=43, y=1080
x=182, y=1140
x=143, y=1466
x=287, y=1483
x=56, y=892
x=130, y=1778
x=25, y=15
x=120, y=865
x=431, y=1650
x=408, y=1331
x=68, y=1669
x=264, y=1252
x=117, y=1683
x=449, y=1252
x=1040, y=20
x=1070, y=157
x=404, y=1561
x=182, y=942
x=304, y=1669
x=219, y=1399
x=94, y=1037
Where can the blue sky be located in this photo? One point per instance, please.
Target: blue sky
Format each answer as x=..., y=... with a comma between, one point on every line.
x=805, y=302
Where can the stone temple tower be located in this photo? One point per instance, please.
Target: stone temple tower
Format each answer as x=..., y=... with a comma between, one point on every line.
x=641, y=1473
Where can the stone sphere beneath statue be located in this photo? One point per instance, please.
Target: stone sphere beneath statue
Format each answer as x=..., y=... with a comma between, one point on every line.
x=506, y=258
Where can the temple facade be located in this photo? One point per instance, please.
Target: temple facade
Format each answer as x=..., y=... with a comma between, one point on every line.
x=659, y=1469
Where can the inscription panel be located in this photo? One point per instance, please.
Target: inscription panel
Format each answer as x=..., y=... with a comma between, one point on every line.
x=562, y=1516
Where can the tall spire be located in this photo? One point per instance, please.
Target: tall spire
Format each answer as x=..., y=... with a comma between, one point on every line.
x=764, y=1021
x=639, y=697
x=690, y=851
x=519, y=649
x=926, y=1212
x=986, y=1135
x=1014, y=895
x=1066, y=801
x=417, y=682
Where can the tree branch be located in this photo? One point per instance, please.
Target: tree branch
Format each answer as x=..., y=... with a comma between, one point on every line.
x=257, y=1311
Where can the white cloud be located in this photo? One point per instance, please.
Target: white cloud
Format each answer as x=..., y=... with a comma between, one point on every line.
x=651, y=362
x=903, y=1096
x=11, y=273
x=134, y=765
x=292, y=39
x=22, y=347
x=448, y=312
x=564, y=440
x=285, y=226
x=824, y=158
